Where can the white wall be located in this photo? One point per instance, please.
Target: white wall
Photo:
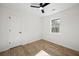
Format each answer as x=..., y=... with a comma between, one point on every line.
x=69, y=28
x=25, y=22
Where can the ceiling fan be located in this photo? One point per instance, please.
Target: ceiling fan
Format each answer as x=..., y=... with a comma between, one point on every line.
x=40, y=6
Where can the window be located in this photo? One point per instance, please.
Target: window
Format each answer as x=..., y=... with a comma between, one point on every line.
x=55, y=25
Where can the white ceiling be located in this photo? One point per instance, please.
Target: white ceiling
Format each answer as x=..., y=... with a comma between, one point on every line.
x=58, y=7
x=25, y=7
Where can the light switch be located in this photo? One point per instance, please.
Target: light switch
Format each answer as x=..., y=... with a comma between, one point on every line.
x=20, y=32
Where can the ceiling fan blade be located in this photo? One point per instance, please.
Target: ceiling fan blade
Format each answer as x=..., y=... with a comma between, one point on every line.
x=35, y=6
x=42, y=11
x=45, y=4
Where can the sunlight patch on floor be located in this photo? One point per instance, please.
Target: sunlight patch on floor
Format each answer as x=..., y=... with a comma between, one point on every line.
x=42, y=53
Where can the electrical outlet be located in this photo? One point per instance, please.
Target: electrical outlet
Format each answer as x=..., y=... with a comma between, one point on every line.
x=9, y=17
x=9, y=30
x=9, y=42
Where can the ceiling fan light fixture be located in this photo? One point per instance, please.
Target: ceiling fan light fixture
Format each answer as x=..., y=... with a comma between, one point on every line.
x=41, y=8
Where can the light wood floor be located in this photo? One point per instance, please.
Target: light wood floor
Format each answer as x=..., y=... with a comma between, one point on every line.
x=34, y=47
